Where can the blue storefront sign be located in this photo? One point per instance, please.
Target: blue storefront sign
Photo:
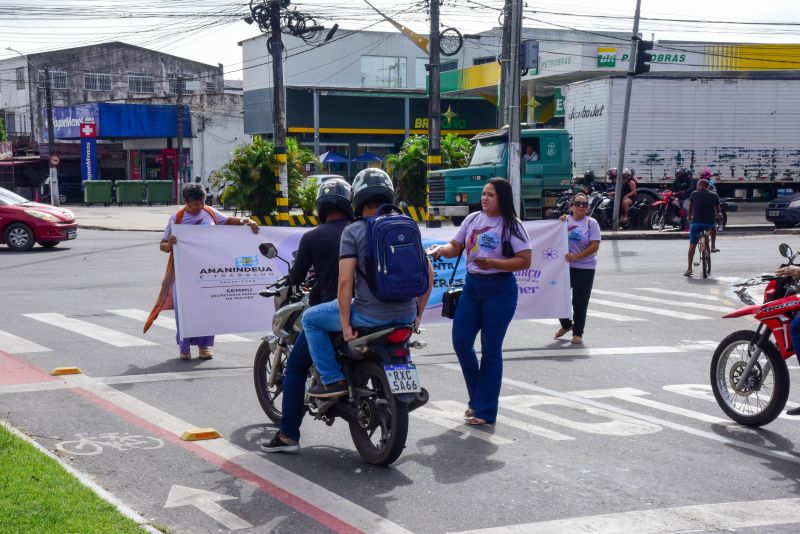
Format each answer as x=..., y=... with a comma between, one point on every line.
x=89, y=159
x=120, y=121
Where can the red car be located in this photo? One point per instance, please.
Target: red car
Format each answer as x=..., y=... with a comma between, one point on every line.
x=24, y=223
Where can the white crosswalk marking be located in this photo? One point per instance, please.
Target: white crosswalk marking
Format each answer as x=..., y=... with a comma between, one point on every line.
x=169, y=323
x=677, y=293
x=642, y=298
x=667, y=313
x=16, y=345
x=612, y=316
x=100, y=333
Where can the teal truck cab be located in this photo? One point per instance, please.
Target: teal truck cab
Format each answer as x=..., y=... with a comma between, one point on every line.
x=454, y=193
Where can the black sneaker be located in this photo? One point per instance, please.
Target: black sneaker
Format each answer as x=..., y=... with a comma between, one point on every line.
x=337, y=389
x=793, y=411
x=279, y=445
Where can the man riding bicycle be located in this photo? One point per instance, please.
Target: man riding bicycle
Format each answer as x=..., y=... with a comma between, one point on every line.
x=704, y=212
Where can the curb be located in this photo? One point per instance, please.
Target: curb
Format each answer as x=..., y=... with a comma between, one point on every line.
x=88, y=482
x=673, y=234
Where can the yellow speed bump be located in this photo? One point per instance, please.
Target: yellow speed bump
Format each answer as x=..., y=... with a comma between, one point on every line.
x=58, y=371
x=196, y=434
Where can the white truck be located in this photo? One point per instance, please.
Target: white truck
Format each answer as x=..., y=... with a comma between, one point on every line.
x=746, y=130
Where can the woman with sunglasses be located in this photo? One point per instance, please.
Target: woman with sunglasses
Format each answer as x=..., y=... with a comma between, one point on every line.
x=584, y=241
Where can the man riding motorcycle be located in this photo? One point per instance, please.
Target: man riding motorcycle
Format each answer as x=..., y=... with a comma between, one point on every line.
x=319, y=248
x=371, y=189
x=628, y=192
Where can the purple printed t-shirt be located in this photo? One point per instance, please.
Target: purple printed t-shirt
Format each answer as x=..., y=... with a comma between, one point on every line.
x=201, y=218
x=581, y=234
x=482, y=238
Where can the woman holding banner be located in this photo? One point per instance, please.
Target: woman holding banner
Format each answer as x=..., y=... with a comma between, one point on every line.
x=584, y=241
x=194, y=211
x=496, y=245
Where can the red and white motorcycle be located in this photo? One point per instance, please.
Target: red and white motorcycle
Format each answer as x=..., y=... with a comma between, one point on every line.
x=749, y=375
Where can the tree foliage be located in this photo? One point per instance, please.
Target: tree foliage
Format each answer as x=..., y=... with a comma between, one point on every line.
x=2, y=129
x=408, y=168
x=248, y=180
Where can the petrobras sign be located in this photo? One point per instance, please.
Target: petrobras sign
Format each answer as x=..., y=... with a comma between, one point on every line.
x=67, y=121
x=89, y=159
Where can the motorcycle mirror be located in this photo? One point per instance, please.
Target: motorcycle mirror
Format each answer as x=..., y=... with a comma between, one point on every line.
x=785, y=250
x=268, y=250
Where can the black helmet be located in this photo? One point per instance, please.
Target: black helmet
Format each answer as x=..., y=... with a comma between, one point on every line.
x=334, y=193
x=369, y=184
x=588, y=175
x=682, y=173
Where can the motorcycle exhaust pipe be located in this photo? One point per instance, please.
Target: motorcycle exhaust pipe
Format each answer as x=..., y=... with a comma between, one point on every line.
x=420, y=399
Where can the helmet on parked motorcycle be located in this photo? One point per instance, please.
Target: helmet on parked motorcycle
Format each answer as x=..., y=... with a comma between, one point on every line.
x=705, y=174
x=371, y=184
x=333, y=194
x=612, y=173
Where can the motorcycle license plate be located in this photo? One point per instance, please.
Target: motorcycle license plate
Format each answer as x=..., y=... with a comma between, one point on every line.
x=774, y=213
x=403, y=378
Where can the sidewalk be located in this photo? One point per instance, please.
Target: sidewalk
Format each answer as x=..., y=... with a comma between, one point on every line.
x=748, y=219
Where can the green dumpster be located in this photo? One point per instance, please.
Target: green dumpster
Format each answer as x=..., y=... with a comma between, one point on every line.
x=159, y=192
x=97, y=192
x=130, y=192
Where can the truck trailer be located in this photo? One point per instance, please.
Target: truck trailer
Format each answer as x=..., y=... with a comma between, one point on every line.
x=746, y=130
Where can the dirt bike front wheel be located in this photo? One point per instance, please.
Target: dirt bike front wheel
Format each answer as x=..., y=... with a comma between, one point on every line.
x=269, y=397
x=764, y=393
x=380, y=430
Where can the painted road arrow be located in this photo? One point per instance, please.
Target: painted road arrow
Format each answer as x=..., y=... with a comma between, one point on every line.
x=206, y=502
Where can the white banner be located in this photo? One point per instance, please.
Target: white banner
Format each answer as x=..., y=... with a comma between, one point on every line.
x=219, y=272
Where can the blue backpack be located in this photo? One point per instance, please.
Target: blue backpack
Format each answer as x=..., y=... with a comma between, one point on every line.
x=397, y=267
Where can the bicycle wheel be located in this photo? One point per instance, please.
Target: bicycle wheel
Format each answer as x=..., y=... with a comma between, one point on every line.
x=705, y=254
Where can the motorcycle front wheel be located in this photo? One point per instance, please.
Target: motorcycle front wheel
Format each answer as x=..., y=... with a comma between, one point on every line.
x=380, y=429
x=657, y=220
x=764, y=395
x=268, y=397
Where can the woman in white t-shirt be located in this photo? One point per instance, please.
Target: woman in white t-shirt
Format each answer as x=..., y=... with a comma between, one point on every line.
x=584, y=241
x=496, y=246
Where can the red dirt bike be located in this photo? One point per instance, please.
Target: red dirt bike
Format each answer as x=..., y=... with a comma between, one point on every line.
x=667, y=210
x=749, y=375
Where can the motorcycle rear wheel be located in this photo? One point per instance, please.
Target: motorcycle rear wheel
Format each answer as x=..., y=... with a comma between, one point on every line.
x=380, y=413
x=749, y=407
x=269, y=397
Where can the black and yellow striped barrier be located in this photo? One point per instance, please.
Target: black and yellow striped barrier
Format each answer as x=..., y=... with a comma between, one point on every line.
x=416, y=213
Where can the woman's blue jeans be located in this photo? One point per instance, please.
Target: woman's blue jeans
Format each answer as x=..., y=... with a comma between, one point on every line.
x=486, y=305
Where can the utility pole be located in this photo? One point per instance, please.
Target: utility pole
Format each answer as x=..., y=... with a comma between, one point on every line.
x=179, y=178
x=512, y=103
x=624, y=134
x=505, y=52
x=434, y=108
x=279, y=111
x=51, y=139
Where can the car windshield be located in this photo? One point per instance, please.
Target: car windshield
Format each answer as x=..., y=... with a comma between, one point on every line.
x=489, y=151
x=7, y=198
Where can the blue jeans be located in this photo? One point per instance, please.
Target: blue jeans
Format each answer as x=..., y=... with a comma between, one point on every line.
x=319, y=320
x=486, y=305
x=794, y=332
x=294, y=388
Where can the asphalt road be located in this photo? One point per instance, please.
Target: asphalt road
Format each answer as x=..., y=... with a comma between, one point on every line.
x=620, y=435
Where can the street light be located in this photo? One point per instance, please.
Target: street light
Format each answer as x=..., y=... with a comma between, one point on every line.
x=51, y=142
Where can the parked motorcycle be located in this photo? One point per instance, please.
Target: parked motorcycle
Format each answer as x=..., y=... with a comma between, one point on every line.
x=668, y=210
x=383, y=385
x=749, y=375
x=602, y=209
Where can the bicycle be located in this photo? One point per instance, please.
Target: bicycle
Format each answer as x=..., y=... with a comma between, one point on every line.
x=705, y=252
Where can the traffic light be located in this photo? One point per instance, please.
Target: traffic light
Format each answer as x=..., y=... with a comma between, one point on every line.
x=643, y=57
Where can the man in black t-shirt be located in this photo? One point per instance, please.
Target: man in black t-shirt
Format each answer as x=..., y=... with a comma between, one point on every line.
x=319, y=248
x=703, y=215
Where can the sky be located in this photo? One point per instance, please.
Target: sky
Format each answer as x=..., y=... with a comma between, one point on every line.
x=209, y=31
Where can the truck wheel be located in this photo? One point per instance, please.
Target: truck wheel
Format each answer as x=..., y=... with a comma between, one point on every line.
x=457, y=220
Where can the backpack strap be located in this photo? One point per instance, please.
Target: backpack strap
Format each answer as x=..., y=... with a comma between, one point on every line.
x=210, y=211
x=179, y=215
